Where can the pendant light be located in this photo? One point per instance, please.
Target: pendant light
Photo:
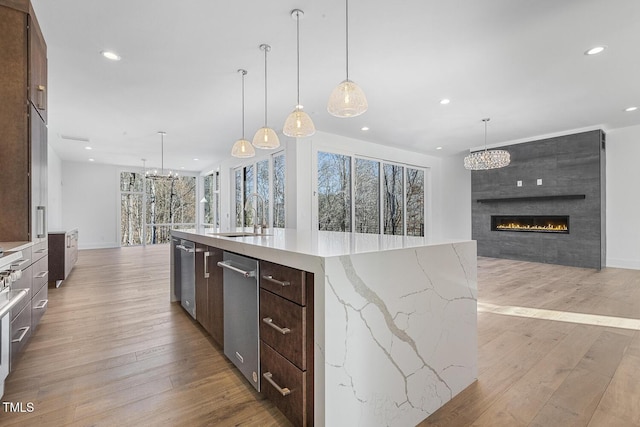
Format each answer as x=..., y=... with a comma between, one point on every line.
x=242, y=148
x=298, y=124
x=347, y=99
x=161, y=176
x=487, y=159
x=265, y=137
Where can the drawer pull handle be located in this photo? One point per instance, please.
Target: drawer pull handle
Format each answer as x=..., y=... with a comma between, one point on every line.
x=42, y=304
x=228, y=266
x=42, y=275
x=283, y=391
x=277, y=282
x=269, y=321
x=19, y=263
x=22, y=335
x=42, y=251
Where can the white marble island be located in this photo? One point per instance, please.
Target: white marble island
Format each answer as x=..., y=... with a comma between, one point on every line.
x=395, y=326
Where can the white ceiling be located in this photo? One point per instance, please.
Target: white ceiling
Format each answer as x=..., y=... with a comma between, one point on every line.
x=520, y=62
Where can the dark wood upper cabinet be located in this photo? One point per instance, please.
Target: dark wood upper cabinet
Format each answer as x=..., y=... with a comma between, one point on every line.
x=38, y=88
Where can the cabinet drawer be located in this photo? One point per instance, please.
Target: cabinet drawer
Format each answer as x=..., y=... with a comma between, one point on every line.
x=20, y=330
x=39, y=305
x=23, y=283
x=39, y=250
x=284, y=281
x=288, y=379
x=277, y=312
x=40, y=273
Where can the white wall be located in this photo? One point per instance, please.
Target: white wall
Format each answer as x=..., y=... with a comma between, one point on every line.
x=54, y=187
x=90, y=192
x=456, y=198
x=623, y=198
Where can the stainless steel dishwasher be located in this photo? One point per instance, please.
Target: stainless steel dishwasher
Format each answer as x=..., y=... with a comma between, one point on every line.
x=187, y=276
x=241, y=310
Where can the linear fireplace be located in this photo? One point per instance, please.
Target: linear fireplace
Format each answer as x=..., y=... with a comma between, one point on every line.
x=531, y=223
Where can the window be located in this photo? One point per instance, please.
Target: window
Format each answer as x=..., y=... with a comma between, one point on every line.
x=131, y=208
x=211, y=184
x=379, y=197
x=149, y=209
x=260, y=178
x=334, y=192
x=393, y=200
x=170, y=204
x=278, y=191
x=367, y=196
x=415, y=202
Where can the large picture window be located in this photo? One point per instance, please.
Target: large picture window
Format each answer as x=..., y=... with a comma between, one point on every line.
x=150, y=209
x=334, y=192
x=373, y=195
x=258, y=184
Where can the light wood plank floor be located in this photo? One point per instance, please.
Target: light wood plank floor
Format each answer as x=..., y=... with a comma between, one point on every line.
x=112, y=350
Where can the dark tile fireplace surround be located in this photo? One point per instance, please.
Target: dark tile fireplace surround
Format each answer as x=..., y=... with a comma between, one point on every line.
x=559, y=222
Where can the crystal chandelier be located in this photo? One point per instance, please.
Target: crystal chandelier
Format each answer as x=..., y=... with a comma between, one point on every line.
x=161, y=176
x=298, y=123
x=265, y=138
x=242, y=148
x=347, y=99
x=487, y=159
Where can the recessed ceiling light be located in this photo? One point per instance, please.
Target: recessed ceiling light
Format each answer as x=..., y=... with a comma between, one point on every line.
x=438, y=148
x=364, y=128
x=595, y=50
x=88, y=148
x=110, y=55
x=445, y=101
x=196, y=159
x=92, y=160
x=630, y=109
x=181, y=167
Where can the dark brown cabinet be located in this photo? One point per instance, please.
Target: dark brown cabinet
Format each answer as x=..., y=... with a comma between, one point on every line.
x=23, y=164
x=209, y=291
x=63, y=254
x=286, y=340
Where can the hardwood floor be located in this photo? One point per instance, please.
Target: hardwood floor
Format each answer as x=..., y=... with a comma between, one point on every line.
x=540, y=372
x=111, y=350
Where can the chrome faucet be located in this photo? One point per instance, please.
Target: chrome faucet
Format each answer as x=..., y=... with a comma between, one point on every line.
x=259, y=225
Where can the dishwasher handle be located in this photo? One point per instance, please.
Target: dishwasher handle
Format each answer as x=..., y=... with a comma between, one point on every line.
x=186, y=249
x=227, y=265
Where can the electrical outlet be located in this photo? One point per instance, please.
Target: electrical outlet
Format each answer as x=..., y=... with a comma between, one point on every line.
x=539, y=181
x=519, y=183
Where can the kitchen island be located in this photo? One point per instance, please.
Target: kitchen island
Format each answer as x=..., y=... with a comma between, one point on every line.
x=394, y=324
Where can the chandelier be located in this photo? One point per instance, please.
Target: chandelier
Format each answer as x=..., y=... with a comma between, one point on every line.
x=170, y=176
x=487, y=159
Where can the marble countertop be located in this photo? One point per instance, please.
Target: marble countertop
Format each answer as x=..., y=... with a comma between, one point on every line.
x=315, y=243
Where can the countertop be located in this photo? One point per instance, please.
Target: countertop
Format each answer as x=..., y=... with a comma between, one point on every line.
x=14, y=246
x=315, y=243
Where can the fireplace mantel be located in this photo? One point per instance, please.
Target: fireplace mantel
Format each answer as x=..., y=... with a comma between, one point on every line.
x=534, y=198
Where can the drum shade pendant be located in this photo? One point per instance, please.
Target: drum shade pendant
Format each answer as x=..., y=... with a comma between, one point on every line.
x=265, y=137
x=347, y=99
x=298, y=123
x=487, y=159
x=170, y=176
x=242, y=148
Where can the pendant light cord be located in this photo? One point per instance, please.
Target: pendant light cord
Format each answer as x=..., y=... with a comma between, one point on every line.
x=485, y=133
x=298, y=53
x=266, y=49
x=347, y=33
x=243, y=72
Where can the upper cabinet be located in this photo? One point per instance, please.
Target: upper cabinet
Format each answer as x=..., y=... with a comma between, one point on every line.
x=23, y=114
x=37, y=68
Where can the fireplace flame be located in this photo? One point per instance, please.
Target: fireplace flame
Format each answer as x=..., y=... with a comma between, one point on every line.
x=526, y=227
